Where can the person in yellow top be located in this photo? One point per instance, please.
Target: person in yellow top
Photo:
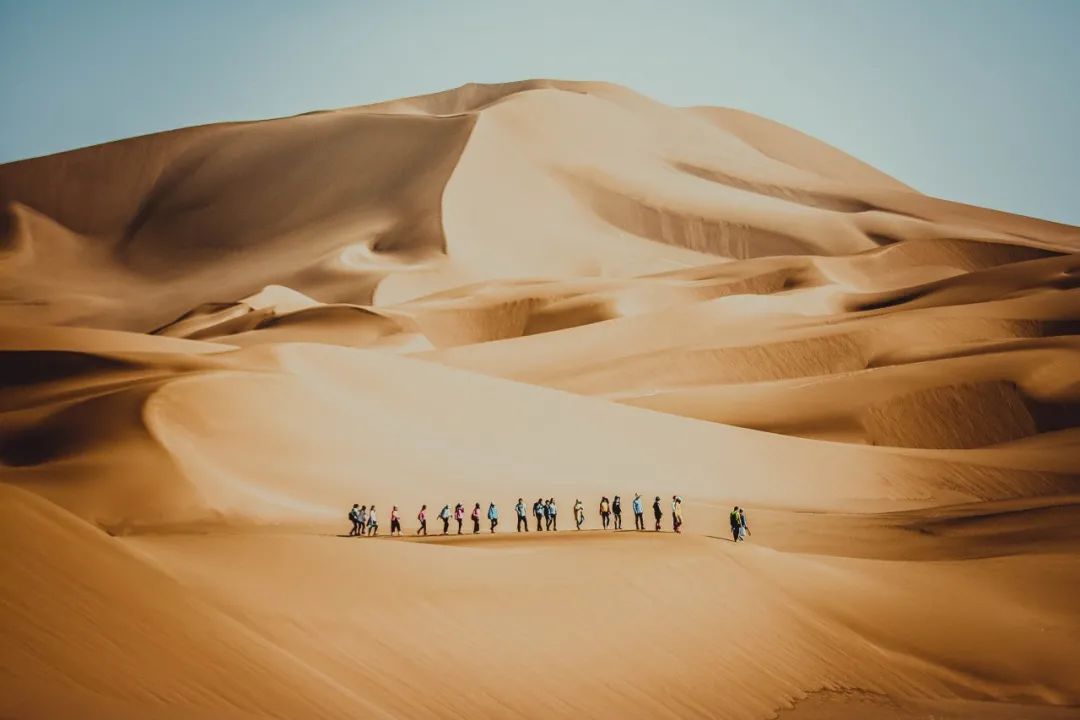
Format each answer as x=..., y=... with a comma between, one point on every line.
x=605, y=511
x=676, y=513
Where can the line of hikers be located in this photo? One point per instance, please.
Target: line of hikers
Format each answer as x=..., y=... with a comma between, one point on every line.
x=365, y=520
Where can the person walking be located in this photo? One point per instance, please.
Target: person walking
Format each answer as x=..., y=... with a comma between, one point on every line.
x=421, y=516
x=553, y=513
x=444, y=515
x=372, y=522
x=363, y=519
x=459, y=515
x=579, y=513
x=639, y=512
x=736, y=523
x=744, y=528
x=676, y=513
x=395, y=522
x=522, y=518
x=605, y=512
x=657, y=512
x=476, y=518
x=354, y=516
x=538, y=511
x=616, y=510
x=547, y=515
x=493, y=515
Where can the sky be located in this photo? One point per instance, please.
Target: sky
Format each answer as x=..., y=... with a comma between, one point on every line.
x=970, y=100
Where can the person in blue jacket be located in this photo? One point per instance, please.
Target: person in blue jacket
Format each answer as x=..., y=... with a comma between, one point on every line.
x=493, y=516
x=639, y=512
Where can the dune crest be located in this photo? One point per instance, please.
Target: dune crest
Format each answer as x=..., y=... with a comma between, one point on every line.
x=214, y=340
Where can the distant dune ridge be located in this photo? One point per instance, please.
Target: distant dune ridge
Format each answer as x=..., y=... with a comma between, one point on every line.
x=216, y=339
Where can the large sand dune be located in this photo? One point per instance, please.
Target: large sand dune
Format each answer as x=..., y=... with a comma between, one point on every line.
x=214, y=340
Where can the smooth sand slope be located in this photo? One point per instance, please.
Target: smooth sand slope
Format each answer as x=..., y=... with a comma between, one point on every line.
x=214, y=340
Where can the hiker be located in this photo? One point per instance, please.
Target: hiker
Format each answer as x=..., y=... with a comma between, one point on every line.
x=639, y=512
x=459, y=515
x=676, y=513
x=493, y=516
x=616, y=510
x=395, y=522
x=363, y=520
x=538, y=511
x=657, y=512
x=736, y=523
x=579, y=513
x=553, y=514
x=605, y=511
x=476, y=519
x=744, y=529
x=547, y=515
x=522, y=518
x=354, y=515
x=444, y=515
x=372, y=522
x=421, y=516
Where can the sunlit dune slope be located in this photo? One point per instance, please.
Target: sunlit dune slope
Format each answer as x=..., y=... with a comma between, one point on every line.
x=398, y=200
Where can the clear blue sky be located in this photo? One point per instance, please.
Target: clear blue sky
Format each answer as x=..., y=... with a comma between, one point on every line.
x=973, y=100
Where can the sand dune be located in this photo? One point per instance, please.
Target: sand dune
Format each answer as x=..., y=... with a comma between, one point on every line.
x=214, y=340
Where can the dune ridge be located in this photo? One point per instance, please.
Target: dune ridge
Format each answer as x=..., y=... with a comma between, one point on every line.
x=214, y=340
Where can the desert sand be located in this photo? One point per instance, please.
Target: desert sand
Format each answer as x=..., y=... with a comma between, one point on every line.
x=215, y=340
